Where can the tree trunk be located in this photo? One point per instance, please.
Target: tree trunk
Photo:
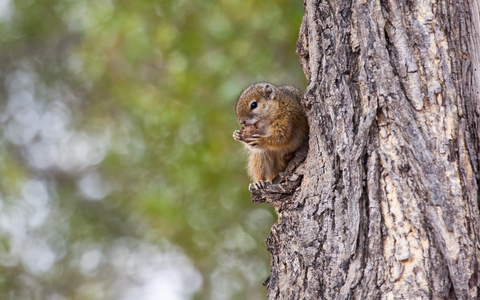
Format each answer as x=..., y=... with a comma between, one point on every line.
x=385, y=204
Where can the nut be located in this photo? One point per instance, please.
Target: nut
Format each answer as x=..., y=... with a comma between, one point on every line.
x=248, y=130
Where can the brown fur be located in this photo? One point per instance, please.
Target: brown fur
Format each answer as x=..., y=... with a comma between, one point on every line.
x=282, y=127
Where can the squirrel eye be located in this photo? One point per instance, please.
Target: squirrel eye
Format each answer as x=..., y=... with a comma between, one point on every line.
x=253, y=105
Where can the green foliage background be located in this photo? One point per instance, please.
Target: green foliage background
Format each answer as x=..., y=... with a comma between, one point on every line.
x=119, y=175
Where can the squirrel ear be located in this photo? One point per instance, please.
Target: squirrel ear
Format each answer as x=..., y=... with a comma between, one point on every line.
x=268, y=92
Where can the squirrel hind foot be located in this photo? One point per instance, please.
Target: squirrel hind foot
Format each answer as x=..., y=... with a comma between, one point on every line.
x=258, y=185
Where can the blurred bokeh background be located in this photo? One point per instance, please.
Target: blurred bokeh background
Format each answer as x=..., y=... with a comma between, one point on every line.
x=119, y=176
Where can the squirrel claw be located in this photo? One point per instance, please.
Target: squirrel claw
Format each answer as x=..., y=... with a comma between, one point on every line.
x=237, y=135
x=253, y=141
x=258, y=185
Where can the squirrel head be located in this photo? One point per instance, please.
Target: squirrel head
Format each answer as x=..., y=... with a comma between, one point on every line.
x=257, y=105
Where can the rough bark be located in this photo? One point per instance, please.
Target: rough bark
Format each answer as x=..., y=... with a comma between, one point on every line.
x=385, y=204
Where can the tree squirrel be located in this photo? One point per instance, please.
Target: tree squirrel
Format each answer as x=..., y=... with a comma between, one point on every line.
x=274, y=125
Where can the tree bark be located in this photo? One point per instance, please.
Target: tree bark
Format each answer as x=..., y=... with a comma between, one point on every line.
x=385, y=205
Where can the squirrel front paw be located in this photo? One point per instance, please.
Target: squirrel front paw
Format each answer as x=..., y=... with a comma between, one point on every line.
x=254, y=141
x=237, y=135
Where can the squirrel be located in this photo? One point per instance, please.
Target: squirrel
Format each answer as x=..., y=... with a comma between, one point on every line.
x=274, y=125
